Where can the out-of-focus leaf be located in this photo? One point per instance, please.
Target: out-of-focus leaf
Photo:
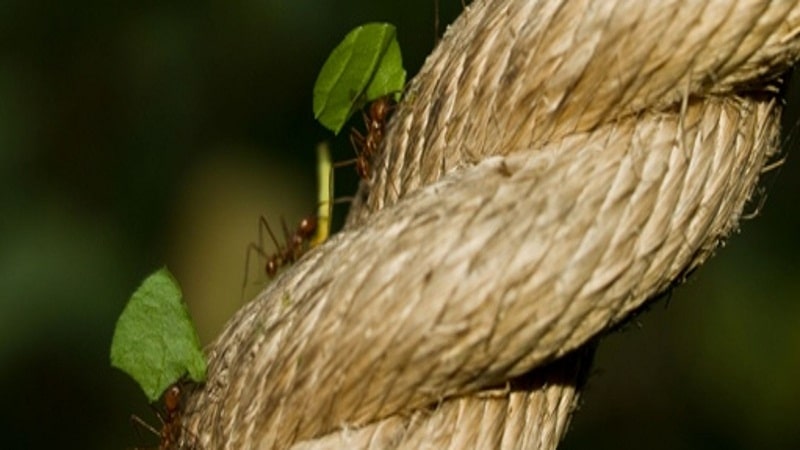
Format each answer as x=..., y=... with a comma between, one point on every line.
x=155, y=341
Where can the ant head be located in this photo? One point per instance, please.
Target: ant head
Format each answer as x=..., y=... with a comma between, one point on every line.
x=172, y=398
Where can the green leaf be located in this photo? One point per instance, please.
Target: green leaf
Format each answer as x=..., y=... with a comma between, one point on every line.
x=366, y=65
x=155, y=341
x=390, y=77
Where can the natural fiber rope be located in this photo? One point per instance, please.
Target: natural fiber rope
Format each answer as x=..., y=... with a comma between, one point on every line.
x=554, y=165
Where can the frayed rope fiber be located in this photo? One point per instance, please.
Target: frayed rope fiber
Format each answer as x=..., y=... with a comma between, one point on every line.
x=554, y=166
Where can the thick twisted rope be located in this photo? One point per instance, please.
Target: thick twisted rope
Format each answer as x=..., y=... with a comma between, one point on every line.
x=555, y=165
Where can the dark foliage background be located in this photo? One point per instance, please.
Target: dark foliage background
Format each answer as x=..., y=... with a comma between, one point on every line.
x=150, y=133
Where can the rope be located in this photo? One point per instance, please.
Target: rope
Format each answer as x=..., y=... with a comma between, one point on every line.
x=554, y=165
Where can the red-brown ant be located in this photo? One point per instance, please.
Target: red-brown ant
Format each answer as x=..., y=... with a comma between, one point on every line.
x=170, y=419
x=170, y=432
x=366, y=146
x=295, y=245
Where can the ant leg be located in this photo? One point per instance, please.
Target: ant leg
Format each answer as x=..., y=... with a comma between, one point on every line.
x=251, y=247
x=368, y=122
x=289, y=250
x=264, y=225
x=358, y=141
x=346, y=163
x=259, y=249
x=139, y=424
x=340, y=200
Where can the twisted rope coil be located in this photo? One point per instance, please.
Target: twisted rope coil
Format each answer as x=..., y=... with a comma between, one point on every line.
x=554, y=165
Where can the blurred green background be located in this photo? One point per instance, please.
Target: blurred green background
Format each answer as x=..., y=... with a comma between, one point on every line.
x=147, y=133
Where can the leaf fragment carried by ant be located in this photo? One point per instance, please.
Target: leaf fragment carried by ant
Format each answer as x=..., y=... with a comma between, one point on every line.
x=155, y=341
x=365, y=66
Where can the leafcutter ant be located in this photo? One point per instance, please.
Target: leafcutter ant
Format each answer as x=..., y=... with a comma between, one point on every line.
x=367, y=145
x=170, y=417
x=294, y=246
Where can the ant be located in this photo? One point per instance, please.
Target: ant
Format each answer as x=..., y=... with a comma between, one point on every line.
x=170, y=419
x=295, y=245
x=366, y=146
